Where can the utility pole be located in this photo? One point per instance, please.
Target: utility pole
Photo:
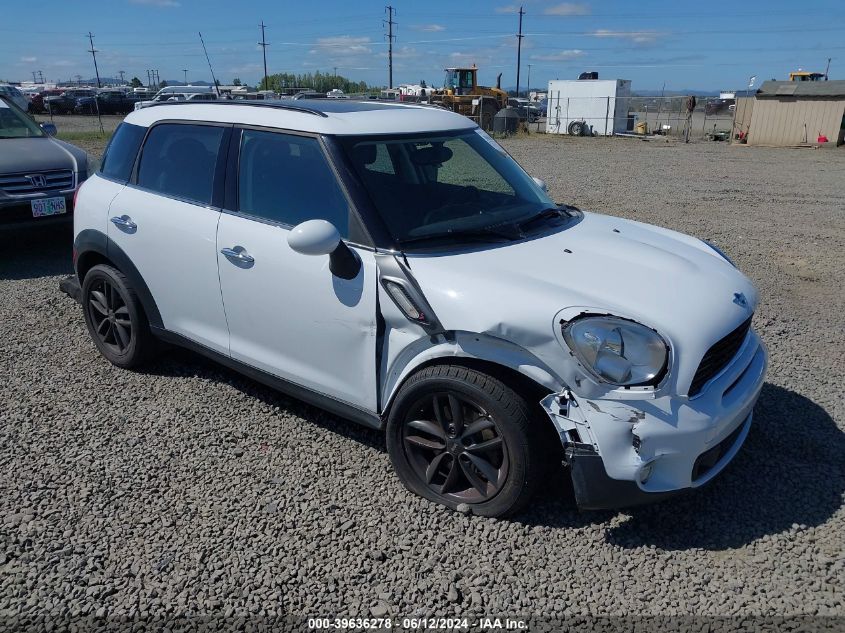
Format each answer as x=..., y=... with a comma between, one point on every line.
x=390, y=38
x=149, y=81
x=263, y=44
x=122, y=73
x=185, y=70
x=827, y=70
x=93, y=52
x=519, y=49
x=528, y=89
x=40, y=77
x=33, y=77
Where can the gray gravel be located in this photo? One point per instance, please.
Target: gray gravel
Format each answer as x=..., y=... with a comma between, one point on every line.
x=187, y=489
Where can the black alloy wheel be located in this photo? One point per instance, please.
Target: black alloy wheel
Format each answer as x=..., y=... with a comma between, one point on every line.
x=109, y=314
x=115, y=318
x=456, y=448
x=462, y=437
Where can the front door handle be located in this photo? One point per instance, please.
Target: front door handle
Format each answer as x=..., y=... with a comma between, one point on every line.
x=238, y=253
x=124, y=222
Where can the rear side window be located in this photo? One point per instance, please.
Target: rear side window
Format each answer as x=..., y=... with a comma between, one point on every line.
x=179, y=160
x=120, y=154
x=287, y=179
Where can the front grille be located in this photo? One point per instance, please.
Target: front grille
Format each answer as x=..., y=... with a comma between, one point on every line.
x=711, y=457
x=718, y=356
x=23, y=185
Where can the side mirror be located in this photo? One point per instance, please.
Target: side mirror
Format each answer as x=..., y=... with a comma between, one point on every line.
x=319, y=237
x=541, y=183
x=49, y=129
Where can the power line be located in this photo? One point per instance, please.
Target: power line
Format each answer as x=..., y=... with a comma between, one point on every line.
x=390, y=38
x=263, y=44
x=519, y=49
x=93, y=52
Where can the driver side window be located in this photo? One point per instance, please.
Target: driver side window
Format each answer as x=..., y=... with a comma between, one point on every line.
x=286, y=178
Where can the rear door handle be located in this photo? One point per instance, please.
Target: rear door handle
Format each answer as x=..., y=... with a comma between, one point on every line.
x=124, y=221
x=238, y=253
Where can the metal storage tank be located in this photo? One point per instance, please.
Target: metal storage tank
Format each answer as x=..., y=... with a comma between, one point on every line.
x=601, y=103
x=789, y=113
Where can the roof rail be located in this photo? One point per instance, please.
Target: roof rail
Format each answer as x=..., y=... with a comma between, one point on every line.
x=280, y=105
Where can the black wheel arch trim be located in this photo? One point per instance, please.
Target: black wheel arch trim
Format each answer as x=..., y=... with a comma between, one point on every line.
x=91, y=241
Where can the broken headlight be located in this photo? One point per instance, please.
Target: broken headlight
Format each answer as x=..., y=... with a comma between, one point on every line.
x=617, y=351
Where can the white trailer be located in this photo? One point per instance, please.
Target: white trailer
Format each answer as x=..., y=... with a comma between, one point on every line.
x=599, y=104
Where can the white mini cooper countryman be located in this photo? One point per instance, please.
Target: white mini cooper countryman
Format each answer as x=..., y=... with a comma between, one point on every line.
x=393, y=264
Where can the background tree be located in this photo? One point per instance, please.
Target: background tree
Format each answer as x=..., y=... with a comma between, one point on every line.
x=317, y=81
x=163, y=84
x=236, y=81
x=135, y=83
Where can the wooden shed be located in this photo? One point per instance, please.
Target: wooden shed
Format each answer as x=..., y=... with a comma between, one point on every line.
x=789, y=113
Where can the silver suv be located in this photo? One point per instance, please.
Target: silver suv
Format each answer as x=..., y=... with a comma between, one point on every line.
x=394, y=265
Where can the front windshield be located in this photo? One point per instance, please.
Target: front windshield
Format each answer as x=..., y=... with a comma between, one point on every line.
x=14, y=124
x=446, y=183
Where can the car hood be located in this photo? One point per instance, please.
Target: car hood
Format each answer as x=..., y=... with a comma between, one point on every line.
x=18, y=155
x=520, y=291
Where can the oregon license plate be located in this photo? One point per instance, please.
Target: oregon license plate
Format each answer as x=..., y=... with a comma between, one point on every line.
x=48, y=206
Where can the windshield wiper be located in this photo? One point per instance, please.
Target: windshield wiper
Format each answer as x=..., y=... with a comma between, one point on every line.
x=549, y=213
x=484, y=234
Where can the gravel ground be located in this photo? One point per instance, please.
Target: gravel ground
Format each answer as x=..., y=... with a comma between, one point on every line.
x=187, y=489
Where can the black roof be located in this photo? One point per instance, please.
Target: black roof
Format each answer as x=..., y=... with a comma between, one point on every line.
x=319, y=107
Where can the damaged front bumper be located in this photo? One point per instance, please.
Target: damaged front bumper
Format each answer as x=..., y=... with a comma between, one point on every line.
x=629, y=452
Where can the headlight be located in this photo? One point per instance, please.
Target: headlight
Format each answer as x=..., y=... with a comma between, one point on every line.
x=720, y=252
x=617, y=351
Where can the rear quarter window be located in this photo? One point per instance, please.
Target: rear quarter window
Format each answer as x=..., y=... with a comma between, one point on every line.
x=120, y=154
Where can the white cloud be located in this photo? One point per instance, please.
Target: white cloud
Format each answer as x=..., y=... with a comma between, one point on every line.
x=429, y=28
x=342, y=45
x=157, y=3
x=568, y=8
x=560, y=56
x=511, y=8
x=638, y=37
x=29, y=60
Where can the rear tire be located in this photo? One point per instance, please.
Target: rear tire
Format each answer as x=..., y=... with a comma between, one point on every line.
x=458, y=436
x=115, y=318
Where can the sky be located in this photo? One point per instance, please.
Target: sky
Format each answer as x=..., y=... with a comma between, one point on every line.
x=679, y=45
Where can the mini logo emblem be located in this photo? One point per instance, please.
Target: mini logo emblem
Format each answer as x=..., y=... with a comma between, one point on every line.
x=740, y=299
x=38, y=181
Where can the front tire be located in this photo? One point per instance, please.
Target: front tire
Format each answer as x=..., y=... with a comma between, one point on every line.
x=114, y=316
x=458, y=436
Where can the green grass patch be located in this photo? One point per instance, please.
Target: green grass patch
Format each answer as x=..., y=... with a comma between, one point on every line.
x=84, y=136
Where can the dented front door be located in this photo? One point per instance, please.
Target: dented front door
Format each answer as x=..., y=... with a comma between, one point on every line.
x=289, y=316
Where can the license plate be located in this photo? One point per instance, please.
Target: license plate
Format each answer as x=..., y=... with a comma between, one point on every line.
x=48, y=206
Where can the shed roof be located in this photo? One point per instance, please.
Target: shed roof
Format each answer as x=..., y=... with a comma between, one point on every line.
x=808, y=89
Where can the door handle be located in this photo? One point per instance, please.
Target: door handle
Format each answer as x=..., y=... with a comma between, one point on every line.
x=239, y=255
x=124, y=221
